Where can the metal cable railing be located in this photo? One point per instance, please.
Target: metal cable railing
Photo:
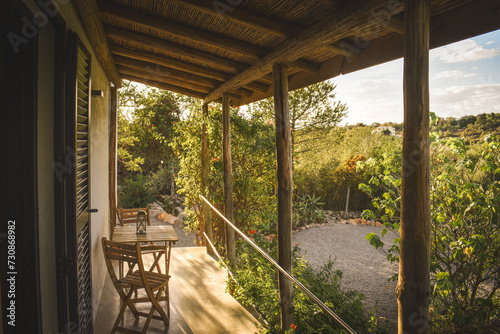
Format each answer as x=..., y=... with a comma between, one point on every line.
x=305, y=290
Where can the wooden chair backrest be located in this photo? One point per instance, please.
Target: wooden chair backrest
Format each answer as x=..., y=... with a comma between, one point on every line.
x=118, y=251
x=129, y=216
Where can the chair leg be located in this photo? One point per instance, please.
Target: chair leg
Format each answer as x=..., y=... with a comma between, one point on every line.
x=156, y=264
x=122, y=310
x=129, y=303
x=156, y=306
x=167, y=297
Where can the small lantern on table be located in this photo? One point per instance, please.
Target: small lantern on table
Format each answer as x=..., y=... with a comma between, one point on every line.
x=142, y=219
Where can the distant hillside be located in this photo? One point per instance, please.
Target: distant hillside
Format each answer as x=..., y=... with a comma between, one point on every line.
x=471, y=127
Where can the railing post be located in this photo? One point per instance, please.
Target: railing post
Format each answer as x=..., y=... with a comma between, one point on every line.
x=285, y=188
x=205, y=165
x=228, y=180
x=414, y=262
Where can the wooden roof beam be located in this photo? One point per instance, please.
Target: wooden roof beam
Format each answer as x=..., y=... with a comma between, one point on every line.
x=165, y=71
x=168, y=62
x=339, y=24
x=305, y=65
x=237, y=15
x=343, y=48
x=199, y=71
x=89, y=14
x=396, y=24
x=157, y=84
x=175, y=49
x=153, y=75
x=169, y=27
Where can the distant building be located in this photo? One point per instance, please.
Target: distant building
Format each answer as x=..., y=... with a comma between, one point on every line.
x=381, y=129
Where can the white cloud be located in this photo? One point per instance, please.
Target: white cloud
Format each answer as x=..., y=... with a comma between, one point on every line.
x=464, y=51
x=490, y=42
x=453, y=74
x=457, y=101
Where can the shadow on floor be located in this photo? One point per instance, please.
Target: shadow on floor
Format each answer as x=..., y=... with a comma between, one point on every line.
x=198, y=301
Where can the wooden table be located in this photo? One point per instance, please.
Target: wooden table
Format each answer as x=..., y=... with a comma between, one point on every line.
x=156, y=234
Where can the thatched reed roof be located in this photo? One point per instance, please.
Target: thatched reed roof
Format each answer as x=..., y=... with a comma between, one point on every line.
x=202, y=48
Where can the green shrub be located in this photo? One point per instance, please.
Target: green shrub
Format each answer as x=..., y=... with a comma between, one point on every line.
x=160, y=182
x=465, y=238
x=258, y=286
x=135, y=193
x=307, y=210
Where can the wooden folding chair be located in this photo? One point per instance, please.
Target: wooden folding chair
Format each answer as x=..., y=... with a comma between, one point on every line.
x=129, y=216
x=153, y=283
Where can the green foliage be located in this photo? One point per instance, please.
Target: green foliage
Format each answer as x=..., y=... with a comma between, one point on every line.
x=135, y=193
x=465, y=240
x=325, y=160
x=471, y=127
x=160, y=182
x=311, y=108
x=307, y=210
x=145, y=120
x=258, y=286
x=254, y=166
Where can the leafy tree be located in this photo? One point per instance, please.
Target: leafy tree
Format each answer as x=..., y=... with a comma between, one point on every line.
x=465, y=239
x=145, y=129
x=311, y=108
x=254, y=166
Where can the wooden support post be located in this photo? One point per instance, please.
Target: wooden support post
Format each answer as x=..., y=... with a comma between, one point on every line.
x=228, y=181
x=205, y=165
x=112, y=156
x=414, y=265
x=285, y=188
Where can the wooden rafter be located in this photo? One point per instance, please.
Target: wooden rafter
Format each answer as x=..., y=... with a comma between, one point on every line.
x=194, y=72
x=152, y=75
x=182, y=31
x=343, y=48
x=161, y=85
x=336, y=26
x=89, y=13
x=170, y=63
x=192, y=54
x=235, y=14
x=165, y=71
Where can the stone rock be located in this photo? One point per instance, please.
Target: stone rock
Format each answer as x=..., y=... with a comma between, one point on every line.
x=178, y=210
x=182, y=215
x=178, y=222
x=166, y=217
x=162, y=216
x=379, y=224
x=343, y=221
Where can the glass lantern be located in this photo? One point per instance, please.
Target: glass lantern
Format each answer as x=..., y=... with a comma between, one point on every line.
x=142, y=219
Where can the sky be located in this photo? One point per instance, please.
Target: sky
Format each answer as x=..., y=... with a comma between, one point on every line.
x=464, y=80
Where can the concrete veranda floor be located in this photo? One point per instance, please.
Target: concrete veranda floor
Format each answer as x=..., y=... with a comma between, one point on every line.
x=198, y=301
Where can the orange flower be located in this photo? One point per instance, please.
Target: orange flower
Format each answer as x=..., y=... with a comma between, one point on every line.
x=251, y=232
x=292, y=326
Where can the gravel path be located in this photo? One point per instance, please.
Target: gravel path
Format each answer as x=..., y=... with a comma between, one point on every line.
x=364, y=268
